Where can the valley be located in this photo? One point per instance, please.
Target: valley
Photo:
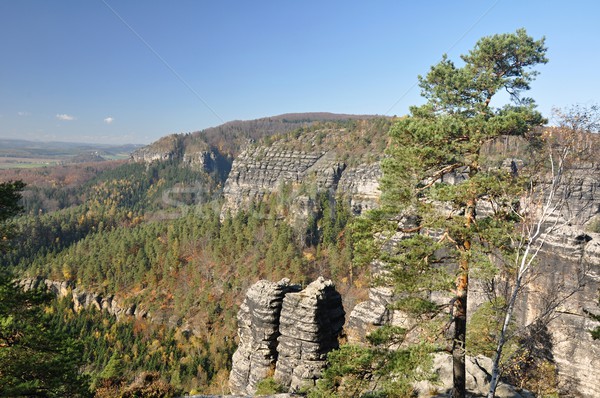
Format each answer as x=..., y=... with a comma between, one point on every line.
x=164, y=246
x=29, y=154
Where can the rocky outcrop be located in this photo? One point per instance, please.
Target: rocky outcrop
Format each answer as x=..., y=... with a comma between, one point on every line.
x=286, y=333
x=361, y=185
x=261, y=170
x=368, y=315
x=165, y=149
x=58, y=288
x=198, y=156
x=310, y=323
x=83, y=299
x=258, y=330
x=477, y=379
x=566, y=277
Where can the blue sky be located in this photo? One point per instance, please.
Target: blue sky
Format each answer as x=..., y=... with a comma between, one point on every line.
x=132, y=71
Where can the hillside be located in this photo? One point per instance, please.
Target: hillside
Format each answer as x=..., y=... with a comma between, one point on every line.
x=148, y=239
x=229, y=138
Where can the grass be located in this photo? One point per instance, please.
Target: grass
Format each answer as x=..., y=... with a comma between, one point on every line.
x=26, y=164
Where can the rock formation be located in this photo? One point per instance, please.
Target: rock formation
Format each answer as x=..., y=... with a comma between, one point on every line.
x=258, y=330
x=310, y=323
x=286, y=333
x=83, y=299
x=259, y=171
x=567, y=274
x=477, y=379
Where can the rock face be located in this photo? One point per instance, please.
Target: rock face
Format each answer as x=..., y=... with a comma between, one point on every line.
x=369, y=315
x=477, y=379
x=260, y=170
x=199, y=156
x=310, y=323
x=287, y=333
x=167, y=148
x=567, y=274
x=570, y=272
x=361, y=184
x=83, y=299
x=258, y=330
x=59, y=288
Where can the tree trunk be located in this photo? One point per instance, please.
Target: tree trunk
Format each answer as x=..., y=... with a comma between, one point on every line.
x=459, y=375
x=460, y=329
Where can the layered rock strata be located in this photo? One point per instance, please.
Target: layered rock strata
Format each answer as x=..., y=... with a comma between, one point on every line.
x=310, y=323
x=566, y=279
x=258, y=330
x=259, y=171
x=286, y=333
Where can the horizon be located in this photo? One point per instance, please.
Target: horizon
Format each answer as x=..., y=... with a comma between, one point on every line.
x=119, y=73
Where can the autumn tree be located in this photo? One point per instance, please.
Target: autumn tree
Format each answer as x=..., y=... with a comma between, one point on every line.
x=436, y=178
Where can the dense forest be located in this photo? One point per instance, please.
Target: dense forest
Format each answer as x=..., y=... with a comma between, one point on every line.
x=106, y=228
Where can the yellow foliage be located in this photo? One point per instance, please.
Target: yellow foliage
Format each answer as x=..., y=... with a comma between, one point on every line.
x=308, y=255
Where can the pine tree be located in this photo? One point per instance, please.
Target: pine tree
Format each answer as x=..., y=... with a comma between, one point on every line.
x=436, y=180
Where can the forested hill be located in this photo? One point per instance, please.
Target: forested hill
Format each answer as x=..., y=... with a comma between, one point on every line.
x=230, y=137
x=150, y=235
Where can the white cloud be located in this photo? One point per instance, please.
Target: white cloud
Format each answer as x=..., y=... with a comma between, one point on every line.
x=64, y=116
x=23, y=113
x=109, y=120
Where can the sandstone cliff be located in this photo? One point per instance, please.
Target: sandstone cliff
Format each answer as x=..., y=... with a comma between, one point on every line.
x=258, y=330
x=83, y=299
x=567, y=277
x=285, y=333
x=336, y=159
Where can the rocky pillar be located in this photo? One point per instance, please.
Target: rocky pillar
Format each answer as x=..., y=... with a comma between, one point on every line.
x=310, y=323
x=258, y=330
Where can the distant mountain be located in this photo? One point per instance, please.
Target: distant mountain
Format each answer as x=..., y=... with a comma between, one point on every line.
x=22, y=153
x=52, y=148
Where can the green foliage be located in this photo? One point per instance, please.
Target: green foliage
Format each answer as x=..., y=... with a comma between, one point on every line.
x=194, y=264
x=482, y=334
x=269, y=386
x=110, y=234
x=594, y=225
x=376, y=370
x=116, y=352
x=352, y=141
x=10, y=194
x=431, y=234
x=35, y=359
x=596, y=317
x=498, y=62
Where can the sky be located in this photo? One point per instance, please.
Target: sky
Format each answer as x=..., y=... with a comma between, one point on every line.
x=115, y=71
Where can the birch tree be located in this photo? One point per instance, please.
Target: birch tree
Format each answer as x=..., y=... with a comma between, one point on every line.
x=542, y=211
